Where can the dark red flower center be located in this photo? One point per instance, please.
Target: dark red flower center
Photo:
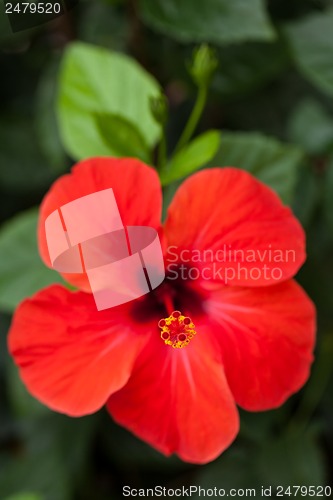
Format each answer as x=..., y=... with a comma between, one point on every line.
x=177, y=330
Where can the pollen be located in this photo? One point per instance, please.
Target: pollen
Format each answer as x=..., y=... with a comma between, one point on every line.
x=177, y=330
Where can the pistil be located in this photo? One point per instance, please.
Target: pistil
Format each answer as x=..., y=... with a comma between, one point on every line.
x=177, y=330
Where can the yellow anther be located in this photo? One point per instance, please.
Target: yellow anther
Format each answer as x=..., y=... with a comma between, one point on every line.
x=177, y=330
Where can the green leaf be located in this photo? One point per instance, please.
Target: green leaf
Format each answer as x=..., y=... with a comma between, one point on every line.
x=257, y=428
x=26, y=162
x=311, y=127
x=25, y=496
x=307, y=195
x=168, y=194
x=128, y=451
x=22, y=403
x=328, y=195
x=22, y=273
x=246, y=67
x=217, y=21
x=232, y=470
x=46, y=121
x=51, y=457
x=40, y=466
x=290, y=460
x=122, y=136
x=285, y=461
x=193, y=156
x=104, y=24
x=95, y=80
x=311, y=42
x=274, y=163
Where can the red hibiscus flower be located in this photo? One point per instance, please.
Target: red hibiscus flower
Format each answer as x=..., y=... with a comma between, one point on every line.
x=248, y=342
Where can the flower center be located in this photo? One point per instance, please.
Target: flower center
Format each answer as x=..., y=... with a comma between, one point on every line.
x=177, y=330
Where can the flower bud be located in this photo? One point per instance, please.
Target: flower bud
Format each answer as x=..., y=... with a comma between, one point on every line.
x=159, y=108
x=203, y=65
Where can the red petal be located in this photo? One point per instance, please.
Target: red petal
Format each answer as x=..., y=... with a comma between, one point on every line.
x=178, y=400
x=72, y=357
x=267, y=338
x=136, y=187
x=221, y=209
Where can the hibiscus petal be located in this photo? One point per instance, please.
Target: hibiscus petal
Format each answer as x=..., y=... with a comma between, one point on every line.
x=267, y=338
x=178, y=400
x=136, y=188
x=71, y=356
x=235, y=225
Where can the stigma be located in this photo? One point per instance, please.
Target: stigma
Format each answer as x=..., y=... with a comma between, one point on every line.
x=177, y=330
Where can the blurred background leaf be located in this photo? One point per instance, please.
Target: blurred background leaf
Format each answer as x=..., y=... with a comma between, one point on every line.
x=25, y=496
x=272, y=162
x=311, y=43
x=328, y=194
x=246, y=67
x=311, y=127
x=46, y=122
x=283, y=461
x=22, y=404
x=44, y=459
x=287, y=460
x=18, y=141
x=216, y=21
x=22, y=273
x=272, y=98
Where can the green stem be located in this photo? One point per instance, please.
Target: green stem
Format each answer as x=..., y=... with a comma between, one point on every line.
x=194, y=118
x=162, y=152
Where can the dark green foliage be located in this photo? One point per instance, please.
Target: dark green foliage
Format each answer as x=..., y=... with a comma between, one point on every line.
x=269, y=111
